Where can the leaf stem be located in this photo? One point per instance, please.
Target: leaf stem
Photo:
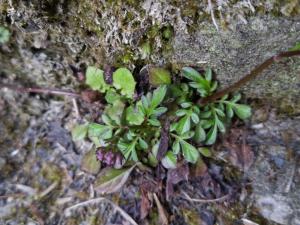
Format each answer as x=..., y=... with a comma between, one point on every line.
x=249, y=77
x=39, y=90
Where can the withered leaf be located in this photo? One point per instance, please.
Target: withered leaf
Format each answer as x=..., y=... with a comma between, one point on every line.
x=108, y=72
x=89, y=162
x=163, y=218
x=164, y=140
x=111, y=180
x=240, y=153
x=174, y=176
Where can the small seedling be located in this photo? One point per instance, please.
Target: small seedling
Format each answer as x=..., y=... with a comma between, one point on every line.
x=137, y=128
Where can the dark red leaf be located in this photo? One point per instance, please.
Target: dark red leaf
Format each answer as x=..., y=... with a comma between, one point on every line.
x=164, y=141
x=108, y=73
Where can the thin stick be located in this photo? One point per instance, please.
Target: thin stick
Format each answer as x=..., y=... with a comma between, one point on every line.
x=187, y=197
x=252, y=75
x=67, y=211
x=40, y=90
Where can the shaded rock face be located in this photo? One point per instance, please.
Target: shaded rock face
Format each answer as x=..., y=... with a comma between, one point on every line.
x=275, y=174
x=233, y=54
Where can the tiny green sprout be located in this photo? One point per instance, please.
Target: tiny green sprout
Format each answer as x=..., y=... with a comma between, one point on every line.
x=4, y=35
x=136, y=128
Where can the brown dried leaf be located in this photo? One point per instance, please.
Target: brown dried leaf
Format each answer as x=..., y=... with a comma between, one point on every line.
x=163, y=217
x=174, y=176
x=240, y=153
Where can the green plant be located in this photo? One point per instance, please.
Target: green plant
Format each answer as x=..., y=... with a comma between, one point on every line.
x=138, y=129
x=4, y=35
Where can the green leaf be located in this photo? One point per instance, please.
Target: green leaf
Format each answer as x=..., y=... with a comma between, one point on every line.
x=159, y=76
x=79, y=132
x=220, y=125
x=169, y=161
x=183, y=125
x=159, y=111
x=195, y=118
x=242, y=111
x=208, y=74
x=158, y=96
x=205, y=151
x=89, y=162
x=186, y=104
x=180, y=112
x=143, y=144
x=95, y=79
x=106, y=119
x=115, y=111
x=187, y=135
x=296, y=47
x=154, y=122
x=4, y=35
x=200, y=134
x=176, y=147
x=111, y=96
x=212, y=135
x=123, y=80
x=134, y=116
x=111, y=180
x=191, y=74
x=229, y=111
x=100, y=131
x=219, y=112
x=190, y=153
x=128, y=149
x=200, y=83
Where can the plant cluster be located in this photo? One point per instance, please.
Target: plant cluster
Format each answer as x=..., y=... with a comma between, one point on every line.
x=163, y=125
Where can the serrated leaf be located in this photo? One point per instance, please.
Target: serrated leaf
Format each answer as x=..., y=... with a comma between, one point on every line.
x=95, y=79
x=158, y=96
x=190, y=153
x=128, y=149
x=89, y=162
x=124, y=81
x=212, y=135
x=134, y=116
x=205, y=151
x=169, y=161
x=99, y=131
x=159, y=76
x=111, y=180
x=200, y=134
x=79, y=132
x=242, y=111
